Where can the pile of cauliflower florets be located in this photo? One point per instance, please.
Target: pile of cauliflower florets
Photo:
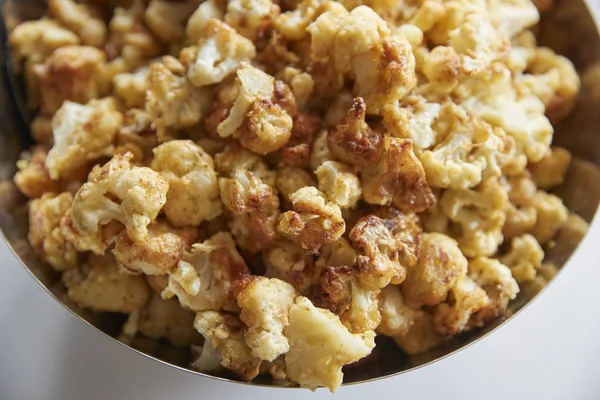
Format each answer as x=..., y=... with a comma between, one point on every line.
x=276, y=182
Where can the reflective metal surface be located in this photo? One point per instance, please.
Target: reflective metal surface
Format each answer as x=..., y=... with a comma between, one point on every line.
x=568, y=28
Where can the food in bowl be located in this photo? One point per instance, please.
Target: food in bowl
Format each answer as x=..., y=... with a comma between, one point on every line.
x=275, y=184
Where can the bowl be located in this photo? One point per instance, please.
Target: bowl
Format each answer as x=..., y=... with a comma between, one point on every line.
x=569, y=28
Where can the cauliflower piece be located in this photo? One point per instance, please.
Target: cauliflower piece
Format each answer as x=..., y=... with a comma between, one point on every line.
x=352, y=140
x=251, y=17
x=320, y=346
x=319, y=152
x=99, y=286
x=205, y=276
x=267, y=127
x=480, y=214
x=224, y=340
x=567, y=239
x=500, y=286
x=357, y=307
x=265, y=305
x=397, y=318
x=421, y=337
x=136, y=131
x=387, y=245
x=470, y=151
x=551, y=216
x=44, y=231
x=340, y=183
x=255, y=207
x=171, y=100
x=131, y=88
x=553, y=79
x=337, y=254
x=292, y=24
x=165, y=318
x=82, y=133
x=440, y=265
x=290, y=179
x=398, y=178
x=32, y=177
x=465, y=299
x=234, y=157
x=81, y=19
x=492, y=96
x=253, y=84
x=550, y=171
x=207, y=11
x=521, y=215
x=524, y=258
x=290, y=263
x=159, y=253
x=412, y=118
x=117, y=191
x=513, y=17
x=217, y=55
x=193, y=194
x=314, y=221
x=167, y=19
x=69, y=73
x=300, y=82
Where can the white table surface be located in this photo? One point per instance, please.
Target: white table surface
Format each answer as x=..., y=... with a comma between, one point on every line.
x=550, y=351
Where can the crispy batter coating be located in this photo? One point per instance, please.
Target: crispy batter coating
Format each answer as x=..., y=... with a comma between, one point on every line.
x=224, y=342
x=193, y=194
x=117, y=191
x=100, y=286
x=265, y=305
x=45, y=236
x=314, y=221
x=205, y=277
x=82, y=133
x=320, y=346
x=440, y=265
x=387, y=245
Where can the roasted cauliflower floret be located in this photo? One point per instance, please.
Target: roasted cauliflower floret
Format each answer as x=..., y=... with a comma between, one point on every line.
x=387, y=245
x=253, y=84
x=513, y=17
x=32, y=177
x=159, y=253
x=421, y=337
x=167, y=19
x=550, y=171
x=314, y=221
x=397, y=178
x=497, y=281
x=352, y=140
x=172, y=102
x=292, y=24
x=193, y=194
x=205, y=277
x=567, y=239
x=320, y=346
x=267, y=127
x=250, y=17
x=289, y=262
x=521, y=215
x=82, y=133
x=255, y=208
x=464, y=300
x=81, y=19
x=470, y=151
x=440, y=265
x=99, y=286
x=480, y=215
x=217, y=55
x=45, y=236
x=397, y=318
x=196, y=24
x=69, y=73
x=224, y=339
x=524, y=258
x=235, y=157
x=290, y=179
x=340, y=183
x=131, y=87
x=117, y=191
x=551, y=216
x=166, y=319
x=357, y=307
x=265, y=305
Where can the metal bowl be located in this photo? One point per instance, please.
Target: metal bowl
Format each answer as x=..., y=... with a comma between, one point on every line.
x=569, y=28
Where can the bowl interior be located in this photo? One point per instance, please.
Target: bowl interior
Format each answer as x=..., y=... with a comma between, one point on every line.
x=569, y=29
